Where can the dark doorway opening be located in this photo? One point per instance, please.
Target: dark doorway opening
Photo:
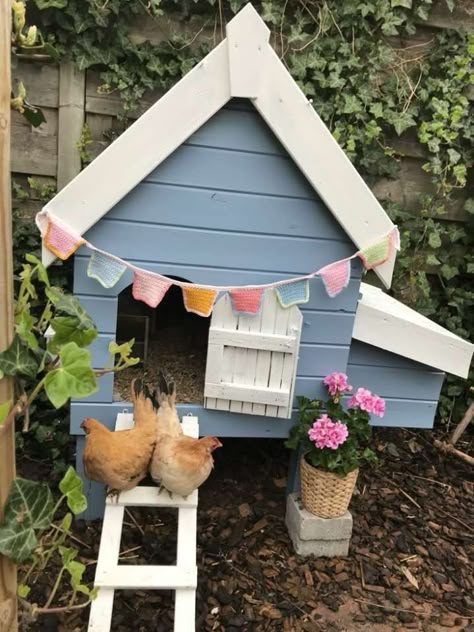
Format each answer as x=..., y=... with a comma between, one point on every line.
x=168, y=339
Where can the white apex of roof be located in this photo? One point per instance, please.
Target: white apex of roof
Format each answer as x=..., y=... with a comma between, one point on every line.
x=243, y=65
x=384, y=322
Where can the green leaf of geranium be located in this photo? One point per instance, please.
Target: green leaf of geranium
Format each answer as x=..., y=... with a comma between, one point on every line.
x=18, y=359
x=74, y=378
x=71, y=486
x=29, y=507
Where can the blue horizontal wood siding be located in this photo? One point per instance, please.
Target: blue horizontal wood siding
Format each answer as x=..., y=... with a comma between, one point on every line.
x=411, y=389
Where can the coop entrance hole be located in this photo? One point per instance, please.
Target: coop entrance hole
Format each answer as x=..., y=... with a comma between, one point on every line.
x=168, y=339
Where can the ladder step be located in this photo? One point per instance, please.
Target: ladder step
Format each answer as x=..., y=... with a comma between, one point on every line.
x=156, y=577
x=149, y=497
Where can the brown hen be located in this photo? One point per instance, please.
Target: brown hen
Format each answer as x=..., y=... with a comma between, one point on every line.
x=180, y=464
x=121, y=458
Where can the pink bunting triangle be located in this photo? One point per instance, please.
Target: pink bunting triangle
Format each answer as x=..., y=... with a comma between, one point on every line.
x=336, y=276
x=246, y=300
x=149, y=288
x=61, y=240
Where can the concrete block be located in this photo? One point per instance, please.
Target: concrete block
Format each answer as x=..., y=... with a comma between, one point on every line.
x=320, y=548
x=306, y=526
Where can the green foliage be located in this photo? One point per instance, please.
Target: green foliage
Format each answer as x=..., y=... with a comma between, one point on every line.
x=60, y=365
x=34, y=529
x=347, y=456
x=29, y=508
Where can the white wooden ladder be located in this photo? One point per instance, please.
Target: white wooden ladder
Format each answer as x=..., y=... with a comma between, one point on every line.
x=110, y=575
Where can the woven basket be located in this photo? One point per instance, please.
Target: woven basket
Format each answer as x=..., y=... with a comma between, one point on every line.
x=323, y=493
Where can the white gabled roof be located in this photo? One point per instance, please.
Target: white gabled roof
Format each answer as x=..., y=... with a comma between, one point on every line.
x=384, y=322
x=243, y=65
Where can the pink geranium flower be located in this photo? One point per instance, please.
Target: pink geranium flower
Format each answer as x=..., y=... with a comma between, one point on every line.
x=366, y=400
x=337, y=383
x=327, y=433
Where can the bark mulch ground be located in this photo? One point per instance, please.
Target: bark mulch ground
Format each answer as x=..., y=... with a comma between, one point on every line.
x=410, y=565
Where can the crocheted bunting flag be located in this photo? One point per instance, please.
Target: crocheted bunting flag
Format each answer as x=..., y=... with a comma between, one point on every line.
x=336, y=276
x=199, y=300
x=293, y=293
x=60, y=239
x=105, y=270
x=246, y=300
x=376, y=254
x=149, y=287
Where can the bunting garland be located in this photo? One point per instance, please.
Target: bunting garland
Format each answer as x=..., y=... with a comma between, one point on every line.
x=336, y=276
x=61, y=241
x=246, y=300
x=104, y=269
x=199, y=300
x=379, y=252
x=295, y=293
x=151, y=287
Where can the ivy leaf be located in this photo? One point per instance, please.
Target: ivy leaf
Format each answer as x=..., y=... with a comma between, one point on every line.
x=23, y=591
x=71, y=306
x=74, y=378
x=469, y=206
x=449, y=272
x=4, y=410
x=432, y=260
x=70, y=329
x=40, y=269
x=24, y=328
x=402, y=3
x=18, y=359
x=401, y=121
x=29, y=507
x=51, y=4
x=71, y=487
x=434, y=239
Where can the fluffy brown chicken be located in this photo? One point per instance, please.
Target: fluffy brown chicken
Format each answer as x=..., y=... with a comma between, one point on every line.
x=121, y=459
x=180, y=464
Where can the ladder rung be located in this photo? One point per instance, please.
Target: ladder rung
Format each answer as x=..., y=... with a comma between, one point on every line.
x=156, y=577
x=149, y=497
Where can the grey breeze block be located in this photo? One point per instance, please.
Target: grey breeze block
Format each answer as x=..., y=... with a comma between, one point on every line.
x=312, y=535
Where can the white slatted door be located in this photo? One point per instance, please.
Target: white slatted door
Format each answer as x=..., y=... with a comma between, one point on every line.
x=251, y=360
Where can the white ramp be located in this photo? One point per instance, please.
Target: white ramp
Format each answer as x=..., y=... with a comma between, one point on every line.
x=110, y=575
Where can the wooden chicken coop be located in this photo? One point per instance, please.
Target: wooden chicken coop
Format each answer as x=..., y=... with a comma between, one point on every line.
x=232, y=179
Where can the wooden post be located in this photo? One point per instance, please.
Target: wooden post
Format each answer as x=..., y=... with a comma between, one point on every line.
x=7, y=441
x=71, y=116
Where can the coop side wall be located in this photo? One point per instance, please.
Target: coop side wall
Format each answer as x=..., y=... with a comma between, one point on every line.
x=411, y=390
x=228, y=207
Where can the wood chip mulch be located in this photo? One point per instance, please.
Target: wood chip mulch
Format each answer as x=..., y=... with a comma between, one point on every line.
x=409, y=567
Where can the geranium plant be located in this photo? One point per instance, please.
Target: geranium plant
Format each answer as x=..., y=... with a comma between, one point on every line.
x=335, y=434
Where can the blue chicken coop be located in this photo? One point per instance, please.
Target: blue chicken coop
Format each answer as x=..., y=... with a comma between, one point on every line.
x=232, y=181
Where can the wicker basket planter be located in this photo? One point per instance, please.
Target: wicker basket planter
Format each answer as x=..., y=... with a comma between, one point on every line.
x=323, y=493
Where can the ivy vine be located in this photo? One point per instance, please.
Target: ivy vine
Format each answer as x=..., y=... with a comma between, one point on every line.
x=369, y=85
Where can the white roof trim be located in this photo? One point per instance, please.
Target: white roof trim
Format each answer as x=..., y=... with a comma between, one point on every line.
x=384, y=322
x=243, y=65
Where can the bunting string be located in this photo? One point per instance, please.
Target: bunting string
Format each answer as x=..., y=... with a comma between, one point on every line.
x=151, y=287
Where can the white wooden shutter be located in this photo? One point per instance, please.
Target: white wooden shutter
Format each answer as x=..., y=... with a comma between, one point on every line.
x=251, y=360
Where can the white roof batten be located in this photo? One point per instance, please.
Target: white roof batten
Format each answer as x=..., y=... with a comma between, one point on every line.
x=384, y=322
x=244, y=65
x=144, y=145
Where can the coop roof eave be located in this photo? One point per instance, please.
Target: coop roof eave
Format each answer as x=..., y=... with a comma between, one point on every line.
x=384, y=322
x=243, y=65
